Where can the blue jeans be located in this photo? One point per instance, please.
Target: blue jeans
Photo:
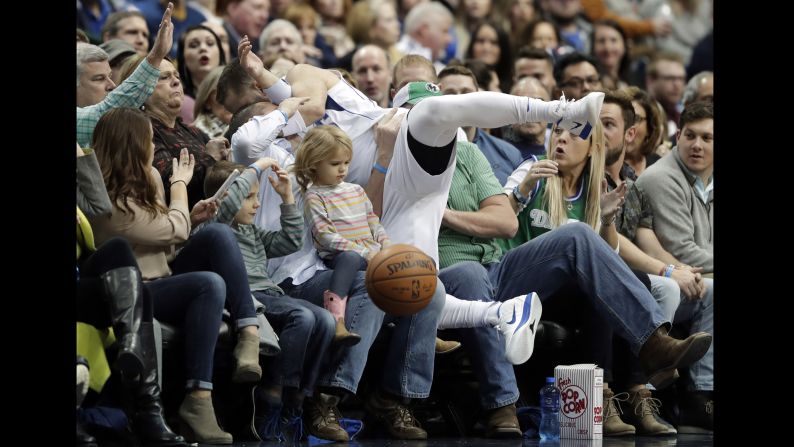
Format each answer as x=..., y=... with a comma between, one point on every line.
x=194, y=302
x=574, y=253
x=699, y=315
x=305, y=332
x=408, y=370
x=214, y=249
x=469, y=280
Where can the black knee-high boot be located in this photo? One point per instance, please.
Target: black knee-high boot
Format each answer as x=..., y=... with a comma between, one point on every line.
x=124, y=292
x=148, y=422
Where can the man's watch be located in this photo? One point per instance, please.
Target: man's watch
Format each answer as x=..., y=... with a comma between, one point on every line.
x=520, y=198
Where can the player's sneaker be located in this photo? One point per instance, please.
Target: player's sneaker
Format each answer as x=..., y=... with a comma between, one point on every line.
x=518, y=323
x=579, y=117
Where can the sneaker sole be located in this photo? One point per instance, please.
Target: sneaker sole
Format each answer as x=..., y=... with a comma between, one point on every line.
x=522, y=344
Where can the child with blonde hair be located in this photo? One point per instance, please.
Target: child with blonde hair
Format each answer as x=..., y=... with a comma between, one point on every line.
x=346, y=231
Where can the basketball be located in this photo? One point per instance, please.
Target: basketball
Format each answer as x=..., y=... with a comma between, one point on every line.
x=401, y=279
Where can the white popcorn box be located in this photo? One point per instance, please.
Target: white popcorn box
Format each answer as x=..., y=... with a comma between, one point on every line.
x=581, y=400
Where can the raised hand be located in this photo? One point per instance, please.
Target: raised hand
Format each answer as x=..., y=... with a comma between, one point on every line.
x=290, y=105
x=164, y=39
x=183, y=168
x=248, y=60
x=386, y=135
x=282, y=184
x=611, y=201
x=540, y=169
x=266, y=162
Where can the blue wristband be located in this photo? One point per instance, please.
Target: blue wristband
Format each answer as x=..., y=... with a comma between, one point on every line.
x=380, y=168
x=256, y=168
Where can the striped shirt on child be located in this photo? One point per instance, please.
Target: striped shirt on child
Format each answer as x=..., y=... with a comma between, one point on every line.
x=342, y=219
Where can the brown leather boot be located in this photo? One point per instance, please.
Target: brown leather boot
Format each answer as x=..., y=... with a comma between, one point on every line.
x=199, y=422
x=446, y=346
x=246, y=356
x=503, y=423
x=644, y=414
x=336, y=305
x=395, y=417
x=321, y=417
x=662, y=354
x=613, y=424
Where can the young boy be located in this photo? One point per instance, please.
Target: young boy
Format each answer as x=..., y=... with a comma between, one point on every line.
x=305, y=330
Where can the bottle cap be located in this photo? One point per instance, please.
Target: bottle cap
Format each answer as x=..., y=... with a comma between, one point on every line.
x=550, y=380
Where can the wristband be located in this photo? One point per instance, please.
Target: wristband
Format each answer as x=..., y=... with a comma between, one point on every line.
x=279, y=91
x=177, y=181
x=379, y=168
x=256, y=168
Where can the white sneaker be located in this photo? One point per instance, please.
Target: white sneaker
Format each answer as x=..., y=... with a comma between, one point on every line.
x=580, y=117
x=518, y=322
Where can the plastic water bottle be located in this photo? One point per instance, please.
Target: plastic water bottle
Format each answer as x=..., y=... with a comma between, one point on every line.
x=550, y=411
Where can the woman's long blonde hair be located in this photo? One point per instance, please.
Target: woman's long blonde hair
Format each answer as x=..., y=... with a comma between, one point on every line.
x=554, y=198
x=319, y=144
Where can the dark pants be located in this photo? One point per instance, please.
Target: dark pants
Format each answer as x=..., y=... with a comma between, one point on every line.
x=345, y=265
x=305, y=332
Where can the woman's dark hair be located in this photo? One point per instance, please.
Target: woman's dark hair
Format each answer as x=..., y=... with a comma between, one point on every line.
x=184, y=74
x=625, y=61
x=504, y=66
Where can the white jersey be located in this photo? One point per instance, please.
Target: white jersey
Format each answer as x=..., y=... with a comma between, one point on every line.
x=350, y=110
x=413, y=200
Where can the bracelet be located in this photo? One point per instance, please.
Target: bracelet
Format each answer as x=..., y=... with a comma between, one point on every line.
x=610, y=222
x=177, y=181
x=520, y=198
x=256, y=168
x=667, y=270
x=380, y=168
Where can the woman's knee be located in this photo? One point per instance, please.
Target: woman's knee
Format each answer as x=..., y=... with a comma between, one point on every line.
x=213, y=288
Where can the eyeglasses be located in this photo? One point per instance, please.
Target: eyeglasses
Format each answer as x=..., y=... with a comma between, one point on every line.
x=639, y=118
x=577, y=82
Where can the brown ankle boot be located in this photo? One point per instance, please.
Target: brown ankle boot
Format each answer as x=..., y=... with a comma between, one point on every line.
x=321, y=417
x=395, y=417
x=613, y=424
x=446, y=346
x=336, y=305
x=246, y=355
x=199, y=422
x=503, y=423
x=644, y=414
x=662, y=354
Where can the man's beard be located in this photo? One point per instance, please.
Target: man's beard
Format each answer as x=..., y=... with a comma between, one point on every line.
x=613, y=155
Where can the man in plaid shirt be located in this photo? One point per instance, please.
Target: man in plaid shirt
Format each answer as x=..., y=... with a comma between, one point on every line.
x=96, y=92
